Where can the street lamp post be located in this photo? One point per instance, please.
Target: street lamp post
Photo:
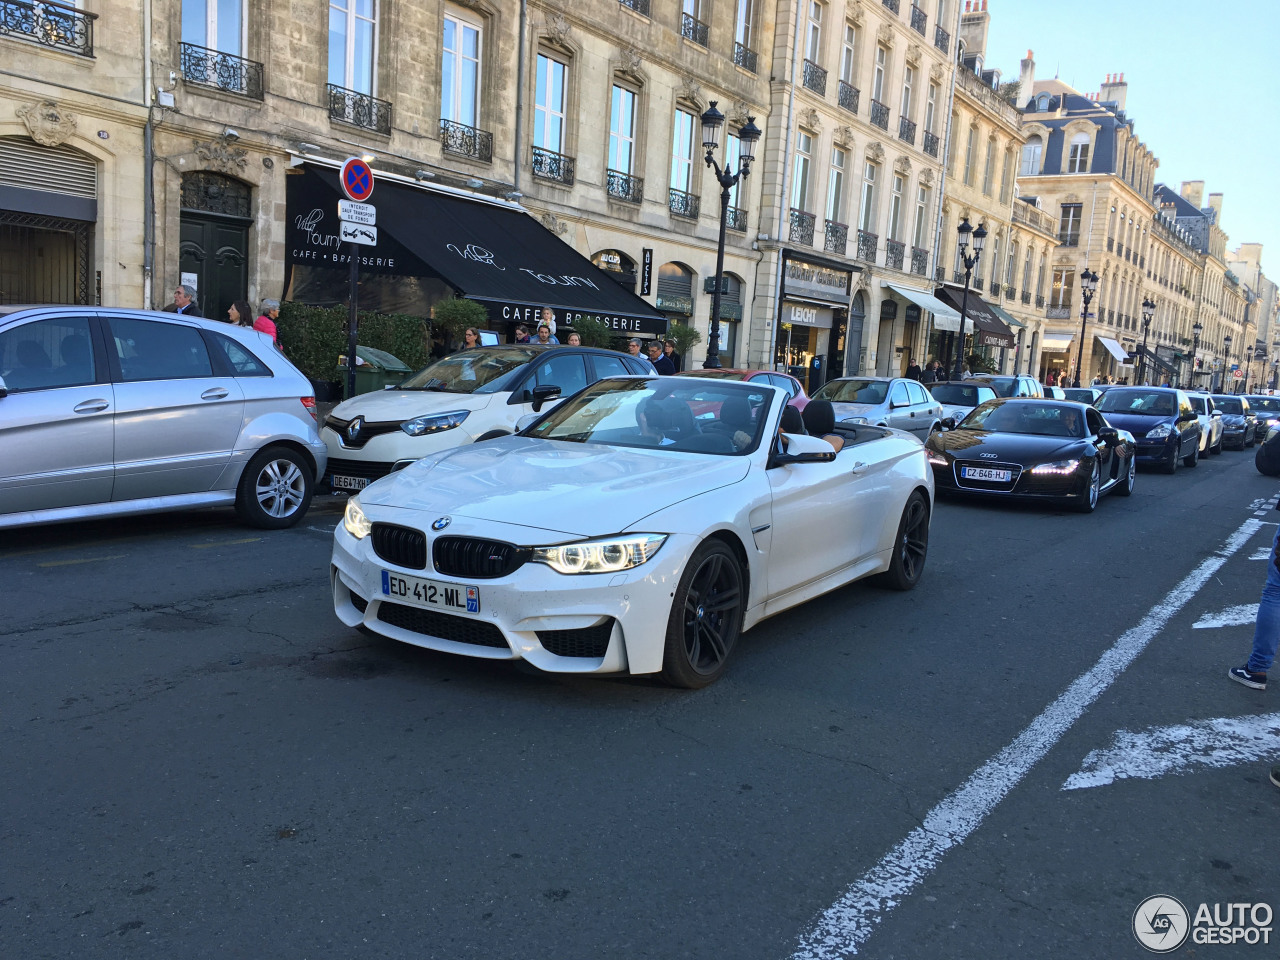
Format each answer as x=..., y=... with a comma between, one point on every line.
x=1088, y=284
x=1195, y=342
x=748, y=135
x=1226, y=364
x=1248, y=367
x=979, y=237
x=1148, y=311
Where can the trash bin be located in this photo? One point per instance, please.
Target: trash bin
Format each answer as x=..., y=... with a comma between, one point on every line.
x=375, y=369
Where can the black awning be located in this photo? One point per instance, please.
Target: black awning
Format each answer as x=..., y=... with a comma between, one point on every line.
x=494, y=254
x=990, y=330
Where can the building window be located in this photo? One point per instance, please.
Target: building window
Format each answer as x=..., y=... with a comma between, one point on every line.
x=1061, y=293
x=460, y=72
x=1069, y=225
x=1078, y=160
x=908, y=78
x=1006, y=181
x=835, y=186
x=867, y=214
x=877, y=83
x=743, y=27
x=895, y=208
x=848, y=53
x=970, y=145
x=1031, y=152
x=352, y=29
x=922, y=213
x=930, y=106
x=813, y=33
x=548, y=105
x=989, y=168
x=682, y=152
x=1011, y=265
x=622, y=130
x=215, y=24
x=1026, y=270
x=800, y=175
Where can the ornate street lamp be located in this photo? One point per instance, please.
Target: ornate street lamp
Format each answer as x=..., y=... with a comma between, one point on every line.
x=964, y=233
x=1248, y=367
x=1195, y=342
x=1226, y=363
x=748, y=135
x=1088, y=286
x=1148, y=311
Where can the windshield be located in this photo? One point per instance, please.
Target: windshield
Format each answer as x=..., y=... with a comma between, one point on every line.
x=1265, y=404
x=1079, y=394
x=854, y=391
x=716, y=374
x=478, y=370
x=959, y=395
x=677, y=413
x=1039, y=419
x=1229, y=405
x=1142, y=402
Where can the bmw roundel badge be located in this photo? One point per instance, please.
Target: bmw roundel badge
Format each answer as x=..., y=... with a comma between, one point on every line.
x=441, y=523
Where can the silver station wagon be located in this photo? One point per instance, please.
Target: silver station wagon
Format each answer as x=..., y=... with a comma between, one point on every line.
x=112, y=412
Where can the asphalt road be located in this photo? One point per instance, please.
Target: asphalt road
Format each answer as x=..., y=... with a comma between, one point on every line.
x=200, y=761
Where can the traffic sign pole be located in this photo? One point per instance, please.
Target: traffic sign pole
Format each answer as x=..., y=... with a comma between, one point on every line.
x=353, y=292
x=356, y=180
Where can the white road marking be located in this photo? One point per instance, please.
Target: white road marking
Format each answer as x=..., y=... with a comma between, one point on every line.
x=1263, y=554
x=841, y=929
x=1224, y=742
x=1230, y=617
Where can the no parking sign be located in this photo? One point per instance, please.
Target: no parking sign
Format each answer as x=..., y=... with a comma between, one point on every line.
x=356, y=179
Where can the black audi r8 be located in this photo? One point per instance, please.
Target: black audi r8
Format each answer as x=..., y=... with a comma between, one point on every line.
x=1035, y=449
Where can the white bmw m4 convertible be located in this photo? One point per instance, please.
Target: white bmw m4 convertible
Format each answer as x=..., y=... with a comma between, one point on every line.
x=637, y=528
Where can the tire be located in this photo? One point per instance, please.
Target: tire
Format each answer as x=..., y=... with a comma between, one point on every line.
x=1191, y=459
x=1217, y=447
x=910, y=546
x=706, y=617
x=1089, y=502
x=275, y=489
x=1266, y=461
x=1172, y=465
x=1124, y=487
x=492, y=435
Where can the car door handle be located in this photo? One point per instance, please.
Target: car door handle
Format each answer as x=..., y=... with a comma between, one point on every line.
x=92, y=406
x=858, y=466
x=214, y=393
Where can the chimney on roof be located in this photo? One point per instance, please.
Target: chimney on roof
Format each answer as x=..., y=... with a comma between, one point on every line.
x=1215, y=201
x=973, y=29
x=1027, y=78
x=1114, y=89
x=1192, y=191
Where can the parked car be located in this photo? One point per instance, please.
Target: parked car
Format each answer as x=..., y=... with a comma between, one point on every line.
x=621, y=534
x=1161, y=418
x=1267, y=411
x=1087, y=395
x=794, y=388
x=1210, y=418
x=959, y=397
x=883, y=401
x=475, y=394
x=1053, y=393
x=1034, y=449
x=1016, y=385
x=107, y=412
x=1239, y=425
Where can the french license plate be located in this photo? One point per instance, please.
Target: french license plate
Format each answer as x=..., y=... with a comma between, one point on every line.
x=348, y=483
x=431, y=593
x=985, y=473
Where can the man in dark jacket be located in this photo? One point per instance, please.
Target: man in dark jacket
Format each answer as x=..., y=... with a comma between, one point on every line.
x=184, y=301
x=913, y=370
x=660, y=363
x=669, y=351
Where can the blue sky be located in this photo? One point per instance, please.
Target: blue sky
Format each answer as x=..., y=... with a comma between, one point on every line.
x=1204, y=89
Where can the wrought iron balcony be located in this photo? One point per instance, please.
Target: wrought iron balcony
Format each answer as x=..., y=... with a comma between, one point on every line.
x=1039, y=301
x=1069, y=239
x=920, y=261
x=691, y=28
x=957, y=276
x=879, y=114
x=736, y=219
x=52, y=24
x=1128, y=255
x=837, y=237
x=815, y=78
x=1026, y=297
x=891, y=4
x=1009, y=292
x=639, y=6
x=1119, y=249
x=931, y=143
x=213, y=68
x=1111, y=317
x=907, y=130
x=465, y=141
x=549, y=165
x=940, y=274
x=744, y=58
x=623, y=186
x=918, y=19
x=867, y=243
x=941, y=39
x=894, y=253
x=995, y=287
x=1111, y=244
x=1142, y=262
x=359, y=109
x=847, y=96
x=802, y=224
x=1057, y=313
x=683, y=204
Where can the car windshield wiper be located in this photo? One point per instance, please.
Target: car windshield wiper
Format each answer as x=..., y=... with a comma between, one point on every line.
x=433, y=384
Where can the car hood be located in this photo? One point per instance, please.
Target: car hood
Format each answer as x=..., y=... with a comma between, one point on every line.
x=1007, y=447
x=576, y=489
x=1136, y=423
x=395, y=405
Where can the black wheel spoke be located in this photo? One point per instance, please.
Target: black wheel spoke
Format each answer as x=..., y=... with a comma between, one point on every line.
x=723, y=600
x=715, y=641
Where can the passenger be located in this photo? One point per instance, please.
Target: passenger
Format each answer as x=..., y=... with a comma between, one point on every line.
x=654, y=422
x=660, y=363
x=76, y=356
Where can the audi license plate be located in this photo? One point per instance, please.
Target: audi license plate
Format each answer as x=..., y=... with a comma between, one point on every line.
x=348, y=483
x=985, y=473
x=431, y=593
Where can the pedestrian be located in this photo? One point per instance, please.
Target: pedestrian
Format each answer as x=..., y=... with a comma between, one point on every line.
x=574, y=339
x=184, y=301
x=1266, y=628
x=240, y=314
x=522, y=333
x=470, y=338
x=669, y=351
x=266, y=322
x=913, y=370
x=660, y=363
x=633, y=346
x=544, y=335
x=930, y=375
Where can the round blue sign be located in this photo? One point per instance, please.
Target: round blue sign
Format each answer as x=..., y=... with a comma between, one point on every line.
x=356, y=179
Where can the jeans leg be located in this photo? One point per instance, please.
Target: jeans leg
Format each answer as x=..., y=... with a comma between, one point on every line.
x=1267, y=629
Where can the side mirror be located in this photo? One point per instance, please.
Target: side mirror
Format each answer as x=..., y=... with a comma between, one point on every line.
x=543, y=393
x=802, y=448
x=1216, y=413
x=1109, y=435
x=4, y=391
x=948, y=423
x=527, y=421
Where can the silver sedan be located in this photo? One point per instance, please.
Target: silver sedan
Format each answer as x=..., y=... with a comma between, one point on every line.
x=884, y=402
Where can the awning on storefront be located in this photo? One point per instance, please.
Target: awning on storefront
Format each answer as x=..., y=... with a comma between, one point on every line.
x=1056, y=341
x=944, y=317
x=1113, y=348
x=1006, y=316
x=989, y=329
x=493, y=253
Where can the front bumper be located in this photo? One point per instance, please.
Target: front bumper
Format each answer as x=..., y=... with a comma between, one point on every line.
x=1162, y=451
x=1025, y=485
x=593, y=623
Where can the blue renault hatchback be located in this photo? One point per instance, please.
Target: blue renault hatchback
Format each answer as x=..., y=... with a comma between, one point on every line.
x=1161, y=419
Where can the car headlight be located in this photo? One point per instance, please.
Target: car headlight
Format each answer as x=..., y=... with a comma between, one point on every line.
x=937, y=459
x=600, y=556
x=434, y=423
x=1057, y=467
x=355, y=521
x=855, y=420
x=1159, y=432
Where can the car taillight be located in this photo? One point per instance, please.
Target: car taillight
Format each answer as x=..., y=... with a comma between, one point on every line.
x=310, y=404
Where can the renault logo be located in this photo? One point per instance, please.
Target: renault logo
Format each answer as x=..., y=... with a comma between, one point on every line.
x=441, y=523
x=354, y=428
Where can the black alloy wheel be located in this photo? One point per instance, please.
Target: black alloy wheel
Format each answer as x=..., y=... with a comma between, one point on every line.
x=706, y=617
x=1124, y=487
x=911, y=547
x=1089, y=500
